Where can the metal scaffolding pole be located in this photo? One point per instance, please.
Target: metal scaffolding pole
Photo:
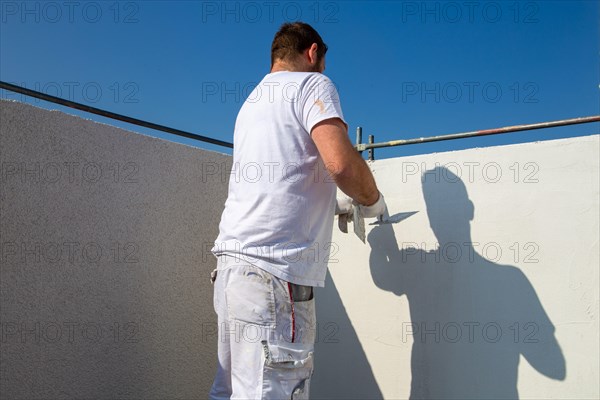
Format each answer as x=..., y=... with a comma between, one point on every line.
x=515, y=128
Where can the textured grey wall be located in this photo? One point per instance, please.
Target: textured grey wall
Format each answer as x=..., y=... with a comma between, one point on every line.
x=104, y=285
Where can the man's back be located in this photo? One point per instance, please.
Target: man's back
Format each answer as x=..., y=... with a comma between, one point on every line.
x=279, y=212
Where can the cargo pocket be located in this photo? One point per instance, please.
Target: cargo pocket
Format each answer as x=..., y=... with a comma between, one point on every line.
x=287, y=370
x=250, y=298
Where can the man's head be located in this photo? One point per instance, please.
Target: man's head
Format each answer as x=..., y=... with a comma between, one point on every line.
x=448, y=206
x=298, y=47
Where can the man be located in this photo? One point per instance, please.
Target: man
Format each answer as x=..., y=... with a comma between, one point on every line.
x=291, y=149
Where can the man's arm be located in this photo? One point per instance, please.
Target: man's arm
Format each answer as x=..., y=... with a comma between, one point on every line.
x=347, y=168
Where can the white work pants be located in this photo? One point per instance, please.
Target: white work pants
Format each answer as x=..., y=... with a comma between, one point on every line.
x=266, y=334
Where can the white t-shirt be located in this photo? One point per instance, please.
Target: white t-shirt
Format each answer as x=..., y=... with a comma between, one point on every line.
x=280, y=208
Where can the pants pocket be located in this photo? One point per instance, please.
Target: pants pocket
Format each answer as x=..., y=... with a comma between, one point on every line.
x=287, y=370
x=250, y=297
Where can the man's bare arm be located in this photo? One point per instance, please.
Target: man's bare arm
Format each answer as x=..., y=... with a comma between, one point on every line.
x=348, y=169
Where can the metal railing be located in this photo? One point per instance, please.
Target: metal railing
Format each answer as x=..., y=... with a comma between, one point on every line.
x=370, y=146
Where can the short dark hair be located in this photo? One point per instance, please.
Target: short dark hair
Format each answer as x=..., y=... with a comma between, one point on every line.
x=293, y=38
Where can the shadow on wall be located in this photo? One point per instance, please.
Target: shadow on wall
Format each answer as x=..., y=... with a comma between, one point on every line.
x=471, y=319
x=342, y=370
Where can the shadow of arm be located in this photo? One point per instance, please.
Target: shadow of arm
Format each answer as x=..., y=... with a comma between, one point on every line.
x=539, y=344
x=548, y=359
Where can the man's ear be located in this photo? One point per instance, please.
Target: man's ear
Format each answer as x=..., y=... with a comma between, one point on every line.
x=312, y=54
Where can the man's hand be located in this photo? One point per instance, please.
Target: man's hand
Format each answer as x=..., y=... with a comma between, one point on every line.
x=343, y=205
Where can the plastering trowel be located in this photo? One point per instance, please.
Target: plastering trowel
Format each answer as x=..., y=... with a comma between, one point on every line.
x=358, y=221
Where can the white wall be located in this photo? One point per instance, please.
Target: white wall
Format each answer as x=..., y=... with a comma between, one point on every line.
x=518, y=232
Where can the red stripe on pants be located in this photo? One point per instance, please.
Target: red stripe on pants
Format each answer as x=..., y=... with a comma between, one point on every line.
x=293, y=316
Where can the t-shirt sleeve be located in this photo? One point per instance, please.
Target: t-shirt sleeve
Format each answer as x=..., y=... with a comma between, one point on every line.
x=319, y=100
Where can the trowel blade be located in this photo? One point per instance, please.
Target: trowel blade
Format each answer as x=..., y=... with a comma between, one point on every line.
x=359, y=224
x=393, y=219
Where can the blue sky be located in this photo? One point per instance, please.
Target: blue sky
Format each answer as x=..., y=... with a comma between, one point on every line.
x=403, y=69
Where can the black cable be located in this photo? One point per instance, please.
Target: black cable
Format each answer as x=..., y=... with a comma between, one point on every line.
x=108, y=114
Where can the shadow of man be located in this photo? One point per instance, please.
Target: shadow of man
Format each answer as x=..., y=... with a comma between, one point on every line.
x=471, y=319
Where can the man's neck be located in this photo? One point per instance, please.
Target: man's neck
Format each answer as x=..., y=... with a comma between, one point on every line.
x=280, y=66
x=284, y=66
